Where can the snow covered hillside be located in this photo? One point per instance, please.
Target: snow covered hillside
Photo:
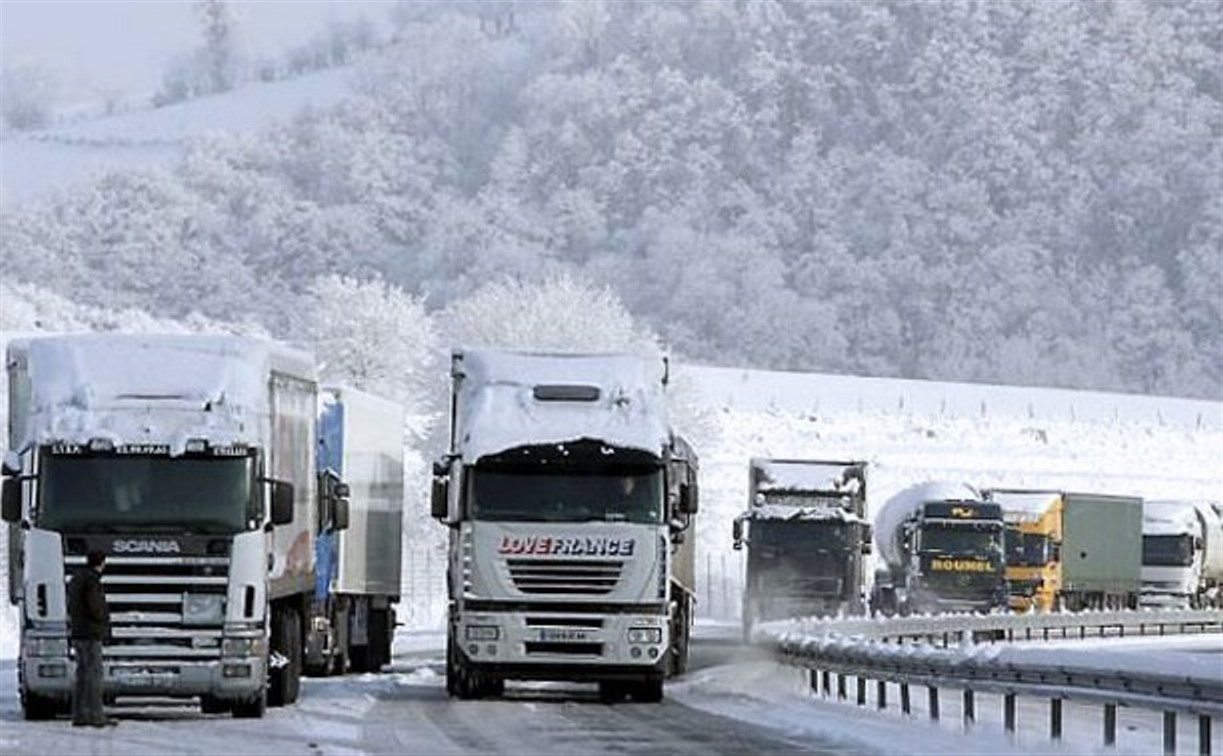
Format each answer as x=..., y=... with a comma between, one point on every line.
x=53, y=159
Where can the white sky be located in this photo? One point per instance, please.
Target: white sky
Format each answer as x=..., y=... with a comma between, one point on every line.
x=124, y=45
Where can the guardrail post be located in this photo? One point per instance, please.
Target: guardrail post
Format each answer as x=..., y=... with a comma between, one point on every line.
x=970, y=708
x=1110, y=724
x=904, y=699
x=881, y=694
x=1169, y=733
x=933, y=697
x=1055, y=718
x=1008, y=712
x=840, y=686
x=861, y=690
x=1204, y=735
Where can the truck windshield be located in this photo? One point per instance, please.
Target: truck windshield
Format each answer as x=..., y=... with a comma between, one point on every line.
x=796, y=537
x=947, y=539
x=1167, y=550
x=112, y=493
x=1027, y=549
x=567, y=494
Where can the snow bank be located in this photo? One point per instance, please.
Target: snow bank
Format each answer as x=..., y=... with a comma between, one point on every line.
x=154, y=389
x=498, y=409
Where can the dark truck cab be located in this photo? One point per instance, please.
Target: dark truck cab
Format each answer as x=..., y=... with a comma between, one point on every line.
x=806, y=539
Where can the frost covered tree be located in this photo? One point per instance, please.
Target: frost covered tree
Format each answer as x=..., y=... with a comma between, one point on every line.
x=372, y=335
x=27, y=96
x=559, y=313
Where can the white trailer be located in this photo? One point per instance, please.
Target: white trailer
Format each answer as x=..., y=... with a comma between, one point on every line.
x=569, y=503
x=189, y=460
x=359, y=547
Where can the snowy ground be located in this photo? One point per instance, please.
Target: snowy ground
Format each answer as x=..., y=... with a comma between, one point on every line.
x=734, y=701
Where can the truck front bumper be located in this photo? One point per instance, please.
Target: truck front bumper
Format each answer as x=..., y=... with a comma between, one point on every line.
x=554, y=645
x=227, y=679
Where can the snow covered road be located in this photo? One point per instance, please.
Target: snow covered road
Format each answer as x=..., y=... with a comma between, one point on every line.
x=407, y=711
x=735, y=700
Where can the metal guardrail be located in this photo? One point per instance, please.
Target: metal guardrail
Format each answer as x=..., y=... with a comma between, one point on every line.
x=917, y=651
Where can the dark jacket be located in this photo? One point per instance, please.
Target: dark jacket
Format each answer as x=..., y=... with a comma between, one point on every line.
x=88, y=615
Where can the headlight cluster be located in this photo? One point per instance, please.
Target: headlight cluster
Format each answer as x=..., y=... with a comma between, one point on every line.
x=46, y=647
x=645, y=635
x=203, y=608
x=243, y=647
x=483, y=633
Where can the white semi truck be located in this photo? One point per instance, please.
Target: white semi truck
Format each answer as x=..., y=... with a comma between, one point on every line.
x=189, y=461
x=570, y=504
x=1182, y=554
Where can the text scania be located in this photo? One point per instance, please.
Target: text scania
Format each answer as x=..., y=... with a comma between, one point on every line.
x=133, y=546
x=557, y=546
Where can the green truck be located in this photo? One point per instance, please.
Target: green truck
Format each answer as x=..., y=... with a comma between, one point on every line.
x=1101, y=551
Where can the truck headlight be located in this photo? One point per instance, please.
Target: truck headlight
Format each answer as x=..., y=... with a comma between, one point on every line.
x=645, y=635
x=243, y=647
x=46, y=647
x=203, y=608
x=483, y=633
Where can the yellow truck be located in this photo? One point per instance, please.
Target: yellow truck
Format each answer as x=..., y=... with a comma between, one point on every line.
x=1071, y=550
x=1033, y=540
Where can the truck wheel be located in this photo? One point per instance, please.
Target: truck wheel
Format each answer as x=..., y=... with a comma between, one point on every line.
x=252, y=709
x=378, y=652
x=285, y=681
x=459, y=679
x=648, y=690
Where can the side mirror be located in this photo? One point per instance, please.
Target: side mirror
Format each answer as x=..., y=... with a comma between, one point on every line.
x=282, y=502
x=687, y=499
x=11, y=497
x=341, y=491
x=736, y=532
x=440, y=503
x=340, y=516
x=867, y=535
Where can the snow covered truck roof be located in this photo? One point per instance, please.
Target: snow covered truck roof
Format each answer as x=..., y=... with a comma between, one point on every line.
x=506, y=400
x=153, y=389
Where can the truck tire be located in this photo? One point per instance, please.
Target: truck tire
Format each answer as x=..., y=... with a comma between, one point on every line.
x=252, y=709
x=648, y=690
x=285, y=681
x=378, y=651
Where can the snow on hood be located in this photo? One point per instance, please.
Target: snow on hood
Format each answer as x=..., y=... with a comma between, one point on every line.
x=1169, y=518
x=154, y=389
x=497, y=409
x=900, y=507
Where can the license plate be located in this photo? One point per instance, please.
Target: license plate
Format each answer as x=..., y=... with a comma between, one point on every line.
x=563, y=634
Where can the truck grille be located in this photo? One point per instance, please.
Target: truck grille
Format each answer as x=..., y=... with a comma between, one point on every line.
x=567, y=576
x=146, y=596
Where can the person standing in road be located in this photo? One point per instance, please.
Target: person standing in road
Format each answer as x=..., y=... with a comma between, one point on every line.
x=90, y=625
